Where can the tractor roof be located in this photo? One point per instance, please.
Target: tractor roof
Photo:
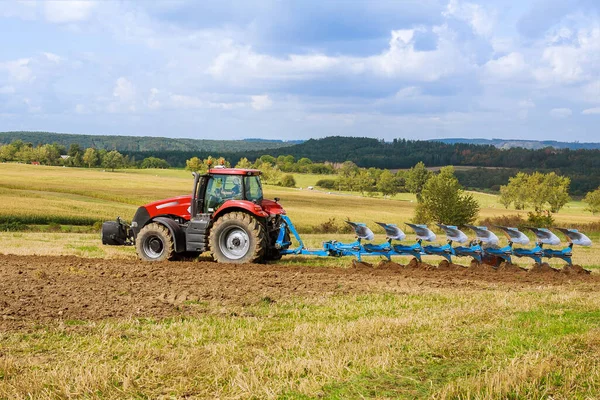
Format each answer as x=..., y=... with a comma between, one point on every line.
x=233, y=171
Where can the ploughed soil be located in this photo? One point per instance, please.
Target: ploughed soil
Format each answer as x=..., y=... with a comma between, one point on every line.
x=36, y=289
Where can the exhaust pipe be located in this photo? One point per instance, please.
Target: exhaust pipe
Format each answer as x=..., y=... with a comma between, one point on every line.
x=117, y=233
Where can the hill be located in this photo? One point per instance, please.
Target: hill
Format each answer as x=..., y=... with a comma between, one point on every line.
x=525, y=144
x=142, y=143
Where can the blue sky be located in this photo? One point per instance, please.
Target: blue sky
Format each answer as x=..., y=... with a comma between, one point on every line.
x=301, y=69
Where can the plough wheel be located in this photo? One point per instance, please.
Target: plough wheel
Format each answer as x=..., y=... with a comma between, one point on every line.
x=238, y=238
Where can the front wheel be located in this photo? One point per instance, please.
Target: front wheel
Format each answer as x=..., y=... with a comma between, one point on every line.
x=154, y=243
x=238, y=238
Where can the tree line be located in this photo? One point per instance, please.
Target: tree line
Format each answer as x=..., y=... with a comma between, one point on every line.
x=75, y=156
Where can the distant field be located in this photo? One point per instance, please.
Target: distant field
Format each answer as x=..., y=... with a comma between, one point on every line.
x=81, y=196
x=71, y=196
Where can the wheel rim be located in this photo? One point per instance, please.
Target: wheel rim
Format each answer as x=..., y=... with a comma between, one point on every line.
x=234, y=243
x=153, y=246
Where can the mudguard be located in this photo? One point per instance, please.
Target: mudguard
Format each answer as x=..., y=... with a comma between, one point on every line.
x=177, y=233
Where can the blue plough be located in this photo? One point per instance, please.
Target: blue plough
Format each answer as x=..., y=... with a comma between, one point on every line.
x=483, y=249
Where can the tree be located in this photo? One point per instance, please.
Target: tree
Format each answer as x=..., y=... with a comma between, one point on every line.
x=194, y=164
x=543, y=192
x=364, y=182
x=244, y=163
x=288, y=181
x=8, y=152
x=416, y=178
x=556, y=191
x=112, y=160
x=270, y=174
x=74, y=149
x=444, y=201
x=154, y=162
x=593, y=201
x=90, y=157
x=515, y=192
x=268, y=159
x=387, y=183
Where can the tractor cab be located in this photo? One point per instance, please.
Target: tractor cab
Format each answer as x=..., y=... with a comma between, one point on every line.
x=223, y=184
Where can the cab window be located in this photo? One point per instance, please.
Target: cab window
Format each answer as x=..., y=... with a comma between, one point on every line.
x=221, y=188
x=253, y=188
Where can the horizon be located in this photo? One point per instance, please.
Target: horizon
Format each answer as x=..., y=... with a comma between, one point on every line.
x=304, y=140
x=418, y=70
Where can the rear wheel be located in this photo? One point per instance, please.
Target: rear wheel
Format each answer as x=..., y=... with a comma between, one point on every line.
x=154, y=243
x=238, y=238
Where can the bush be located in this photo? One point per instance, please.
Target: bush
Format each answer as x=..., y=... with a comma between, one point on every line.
x=12, y=225
x=540, y=219
x=54, y=227
x=332, y=226
x=288, y=181
x=327, y=183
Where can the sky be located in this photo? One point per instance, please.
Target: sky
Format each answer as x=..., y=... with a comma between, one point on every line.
x=275, y=69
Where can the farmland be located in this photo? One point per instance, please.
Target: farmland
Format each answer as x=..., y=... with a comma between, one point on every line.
x=78, y=319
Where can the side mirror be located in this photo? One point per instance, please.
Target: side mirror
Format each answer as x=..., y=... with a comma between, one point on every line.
x=276, y=199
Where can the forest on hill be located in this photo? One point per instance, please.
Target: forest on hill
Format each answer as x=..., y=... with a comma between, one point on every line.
x=140, y=143
x=496, y=165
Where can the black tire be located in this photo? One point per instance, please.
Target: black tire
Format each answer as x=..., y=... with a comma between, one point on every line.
x=238, y=238
x=154, y=243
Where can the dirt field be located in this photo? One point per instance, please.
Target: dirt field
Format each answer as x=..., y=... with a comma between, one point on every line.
x=44, y=289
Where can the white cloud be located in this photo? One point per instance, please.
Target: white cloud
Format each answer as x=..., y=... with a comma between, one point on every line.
x=526, y=104
x=506, y=67
x=241, y=64
x=481, y=21
x=19, y=70
x=153, y=102
x=572, y=62
x=560, y=113
x=52, y=57
x=183, y=101
x=125, y=94
x=261, y=102
x=124, y=90
x=591, y=111
x=68, y=11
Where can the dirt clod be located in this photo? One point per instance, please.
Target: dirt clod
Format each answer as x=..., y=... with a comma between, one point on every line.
x=510, y=268
x=543, y=268
x=445, y=265
x=389, y=264
x=361, y=264
x=575, y=270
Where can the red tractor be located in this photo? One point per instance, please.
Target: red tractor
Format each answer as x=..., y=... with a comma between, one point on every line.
x=225, y=214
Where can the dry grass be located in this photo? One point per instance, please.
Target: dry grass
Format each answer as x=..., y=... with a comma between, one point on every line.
x=444, y=344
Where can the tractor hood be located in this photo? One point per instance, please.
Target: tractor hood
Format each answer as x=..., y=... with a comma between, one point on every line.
x=272, y=207
x=179, y=206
